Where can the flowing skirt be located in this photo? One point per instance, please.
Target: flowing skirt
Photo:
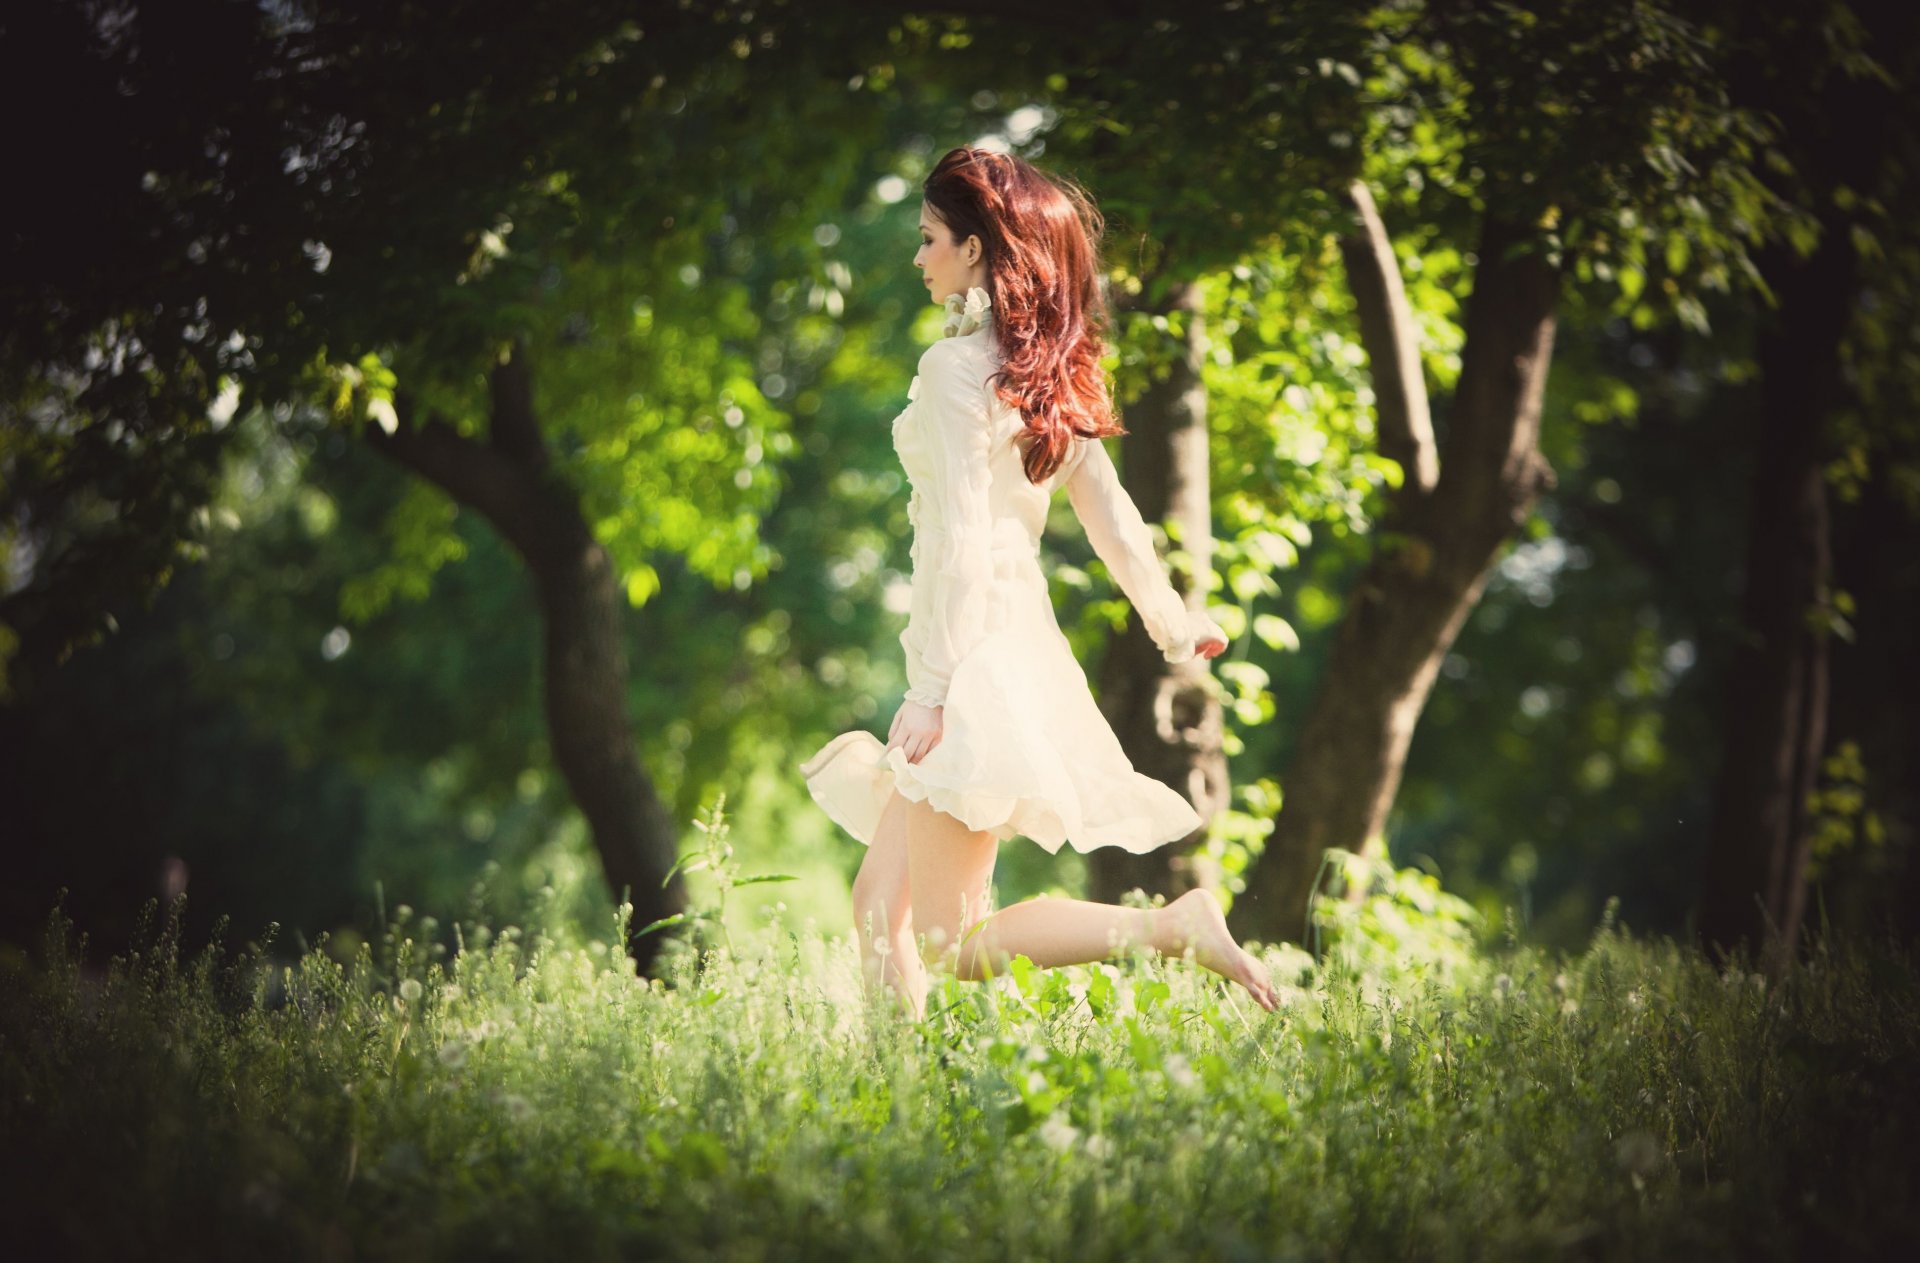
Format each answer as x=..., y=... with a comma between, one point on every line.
x=1024, y=751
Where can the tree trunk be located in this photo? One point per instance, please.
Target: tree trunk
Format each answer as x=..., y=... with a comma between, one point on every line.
x=1754, y=887
x=509, y=480
x=1441, y=533
x=1167, y=717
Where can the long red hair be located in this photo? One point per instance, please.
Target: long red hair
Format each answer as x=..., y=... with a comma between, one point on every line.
x=1042, y=249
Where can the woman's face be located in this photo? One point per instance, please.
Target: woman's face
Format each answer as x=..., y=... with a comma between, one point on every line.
x=947, y=266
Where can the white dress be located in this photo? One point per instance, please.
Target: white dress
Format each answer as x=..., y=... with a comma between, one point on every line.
x=1024, y=749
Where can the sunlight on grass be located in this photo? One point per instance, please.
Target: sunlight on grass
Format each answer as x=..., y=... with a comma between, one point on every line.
x=525, y=1094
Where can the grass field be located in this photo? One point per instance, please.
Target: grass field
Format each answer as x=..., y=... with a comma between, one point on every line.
x=524, y=1096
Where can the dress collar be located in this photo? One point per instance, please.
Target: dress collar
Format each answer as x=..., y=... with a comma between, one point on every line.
x=966, y=314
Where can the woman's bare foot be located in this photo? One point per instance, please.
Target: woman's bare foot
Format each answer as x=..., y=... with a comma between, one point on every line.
x=1195, y=920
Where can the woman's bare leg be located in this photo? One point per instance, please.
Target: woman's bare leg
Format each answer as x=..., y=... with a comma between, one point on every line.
x=883, y=914
x=950, y=868
x=950, y=875
x=1052, y=932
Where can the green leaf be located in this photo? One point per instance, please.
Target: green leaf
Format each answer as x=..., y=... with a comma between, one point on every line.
x=691, y=862
x=642, y=583
x=1277, y=632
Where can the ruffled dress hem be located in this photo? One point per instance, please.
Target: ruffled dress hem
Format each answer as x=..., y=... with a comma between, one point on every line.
x=854, y=775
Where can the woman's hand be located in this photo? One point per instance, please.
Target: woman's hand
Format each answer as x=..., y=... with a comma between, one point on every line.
x=916, y=729
x=1209, y=640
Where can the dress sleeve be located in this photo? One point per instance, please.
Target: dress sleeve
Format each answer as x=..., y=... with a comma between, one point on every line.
x=957, y=543
x=1120, y=537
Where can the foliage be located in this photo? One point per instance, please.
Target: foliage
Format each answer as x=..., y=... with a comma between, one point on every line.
x=1376, y=916
x=1841, y=823
x=714, y=855
x=524, y=1093
x=701, y=220
x=365, y=202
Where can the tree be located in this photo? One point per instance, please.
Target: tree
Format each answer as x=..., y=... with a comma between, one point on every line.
x=1591, y=138
x=494, y=240
x=1777, y=711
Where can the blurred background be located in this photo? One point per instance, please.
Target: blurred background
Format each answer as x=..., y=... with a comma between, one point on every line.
x=445, y=448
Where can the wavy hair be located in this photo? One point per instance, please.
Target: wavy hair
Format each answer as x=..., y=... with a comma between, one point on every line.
x=1042, y=250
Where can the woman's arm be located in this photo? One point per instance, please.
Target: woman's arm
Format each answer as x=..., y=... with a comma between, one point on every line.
x=1120, y=537
x=958, y=556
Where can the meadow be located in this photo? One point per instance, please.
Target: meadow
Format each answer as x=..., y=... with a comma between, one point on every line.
x=1425, y=1091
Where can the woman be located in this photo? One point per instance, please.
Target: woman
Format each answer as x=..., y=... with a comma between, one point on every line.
x=998, y=735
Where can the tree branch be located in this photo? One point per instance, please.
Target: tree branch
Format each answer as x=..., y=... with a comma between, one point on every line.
x=1492, y=451
x=1393, y=350
x=477, y=475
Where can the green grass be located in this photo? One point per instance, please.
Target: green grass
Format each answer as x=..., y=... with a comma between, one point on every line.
x=524, y=1096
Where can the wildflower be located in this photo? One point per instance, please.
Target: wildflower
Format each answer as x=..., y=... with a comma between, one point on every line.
x=410, y=990
x=518, y=1107
x=1560, y=983
x=1098, y=1146
x=1057, y=1133
x=453, y=1054
x=1179, y=1071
